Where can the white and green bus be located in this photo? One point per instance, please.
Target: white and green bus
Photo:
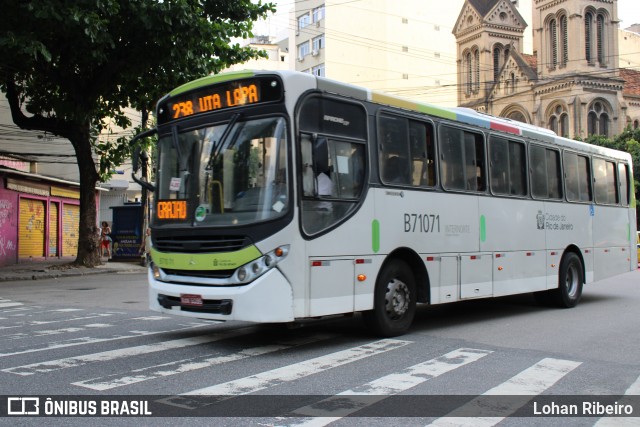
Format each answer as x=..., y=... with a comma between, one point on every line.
x=281, y=196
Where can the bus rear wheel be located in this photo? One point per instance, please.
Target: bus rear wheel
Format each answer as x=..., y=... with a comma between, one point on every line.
x=394, y=300
x=570, y=281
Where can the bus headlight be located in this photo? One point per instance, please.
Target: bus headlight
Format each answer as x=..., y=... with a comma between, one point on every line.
x=258, y=267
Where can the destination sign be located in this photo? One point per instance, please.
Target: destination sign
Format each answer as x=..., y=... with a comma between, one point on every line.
x=171, y=209
x=221, y=96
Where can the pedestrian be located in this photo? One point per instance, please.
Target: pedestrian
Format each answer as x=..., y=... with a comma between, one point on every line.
x=105, y=235
x=145, y=248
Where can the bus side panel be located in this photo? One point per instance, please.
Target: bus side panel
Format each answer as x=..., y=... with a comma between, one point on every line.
x=519, y=272
x=567, y=224
x=611, y=241
x=514, y=234
x=331, y=265
x=332, y=289
x=427, y=222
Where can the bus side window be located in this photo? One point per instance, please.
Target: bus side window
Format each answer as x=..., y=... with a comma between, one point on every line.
x=394, y=149
x=451, y=158
x=308, y=176
x=422, y=154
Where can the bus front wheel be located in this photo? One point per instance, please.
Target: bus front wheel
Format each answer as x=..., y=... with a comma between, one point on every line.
x=394, y=300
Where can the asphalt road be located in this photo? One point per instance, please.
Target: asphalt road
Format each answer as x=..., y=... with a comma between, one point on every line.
x=92, y=337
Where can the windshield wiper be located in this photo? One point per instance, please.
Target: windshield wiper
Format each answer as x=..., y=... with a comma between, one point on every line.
x=216, y=147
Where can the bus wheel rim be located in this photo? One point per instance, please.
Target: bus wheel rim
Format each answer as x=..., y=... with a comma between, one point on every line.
x=397, y=299
x=572, y=280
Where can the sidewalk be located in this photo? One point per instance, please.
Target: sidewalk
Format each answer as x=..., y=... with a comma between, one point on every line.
x=58, y=268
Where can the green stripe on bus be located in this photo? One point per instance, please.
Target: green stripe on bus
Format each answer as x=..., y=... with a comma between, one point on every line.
x=483, y=228
x=218, y=78
x=208, y=261
x=375, y=235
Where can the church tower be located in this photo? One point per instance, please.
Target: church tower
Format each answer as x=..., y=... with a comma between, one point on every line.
x=570, y=83
x=576, y=46
x=486, y=31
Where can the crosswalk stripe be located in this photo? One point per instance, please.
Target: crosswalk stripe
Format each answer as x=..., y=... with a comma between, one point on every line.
x=10, y=304
x=532, y=381
x=633, y=390
x=182, y=366
x=41, y=322
x=88, y=340
x=347, y=402
x=71, y=362
x=284, y=374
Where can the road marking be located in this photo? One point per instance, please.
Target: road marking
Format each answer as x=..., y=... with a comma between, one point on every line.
x=348, y=402
x=90, y=340
x=4, y=304
x=187, y=365
x=48, y=322
x=633, y=390
x=50, y=332
x=532, y=381
x=282, y=375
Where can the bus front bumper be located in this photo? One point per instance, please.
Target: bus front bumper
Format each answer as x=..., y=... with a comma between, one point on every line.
x=268, y=299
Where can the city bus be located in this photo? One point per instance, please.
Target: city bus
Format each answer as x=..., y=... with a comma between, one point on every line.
x=280, y=196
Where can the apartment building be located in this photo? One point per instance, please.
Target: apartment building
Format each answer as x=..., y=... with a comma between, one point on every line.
x=404, y=48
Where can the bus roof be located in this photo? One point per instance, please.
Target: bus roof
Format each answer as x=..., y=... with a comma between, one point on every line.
x=458, y=114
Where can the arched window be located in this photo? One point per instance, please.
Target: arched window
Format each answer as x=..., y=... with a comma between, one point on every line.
x=559, y=120
x=598, y=119
x=564, y=38
x=513, y=82
x=468, y=73
x=635, y=124
x=553, y=44
x=588, y=37
x=564, y=124
x=476, y=57
x=518, y=116
x=600, y=39
x=497, y=53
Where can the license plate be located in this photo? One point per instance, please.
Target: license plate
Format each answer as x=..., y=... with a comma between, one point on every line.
x=191, y=299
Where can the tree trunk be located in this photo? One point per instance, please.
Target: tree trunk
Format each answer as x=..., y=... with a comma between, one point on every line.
x=89, y=236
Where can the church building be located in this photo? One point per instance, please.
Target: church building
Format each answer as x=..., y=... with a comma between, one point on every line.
x=572, y=83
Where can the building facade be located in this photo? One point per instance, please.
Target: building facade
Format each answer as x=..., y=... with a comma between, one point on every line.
x=402, y=48
x=572, y=83
x=39, y=215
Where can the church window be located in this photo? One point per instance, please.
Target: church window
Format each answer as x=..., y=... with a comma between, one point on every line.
x=497, y=51
x=600, y=36
x=588, y=37
x=553, y=44
x=558, y=120
x=598, y=119
x=468, y=74
x=564, y=58
x=476, y=64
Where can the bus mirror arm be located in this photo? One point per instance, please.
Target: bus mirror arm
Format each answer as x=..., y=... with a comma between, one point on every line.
x=142, y=183
x=135, y=158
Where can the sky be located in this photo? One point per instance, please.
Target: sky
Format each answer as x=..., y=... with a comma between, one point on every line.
x=277, y=25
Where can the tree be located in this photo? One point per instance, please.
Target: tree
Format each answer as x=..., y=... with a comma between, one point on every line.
x=68, y=66
x=628, y=141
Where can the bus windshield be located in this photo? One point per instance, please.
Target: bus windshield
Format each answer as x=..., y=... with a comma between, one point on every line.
x=228, y=174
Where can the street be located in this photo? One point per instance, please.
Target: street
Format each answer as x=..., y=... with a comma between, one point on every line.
x=92, y=336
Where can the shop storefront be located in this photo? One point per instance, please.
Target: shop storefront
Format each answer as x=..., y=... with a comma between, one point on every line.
x=39, y=217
